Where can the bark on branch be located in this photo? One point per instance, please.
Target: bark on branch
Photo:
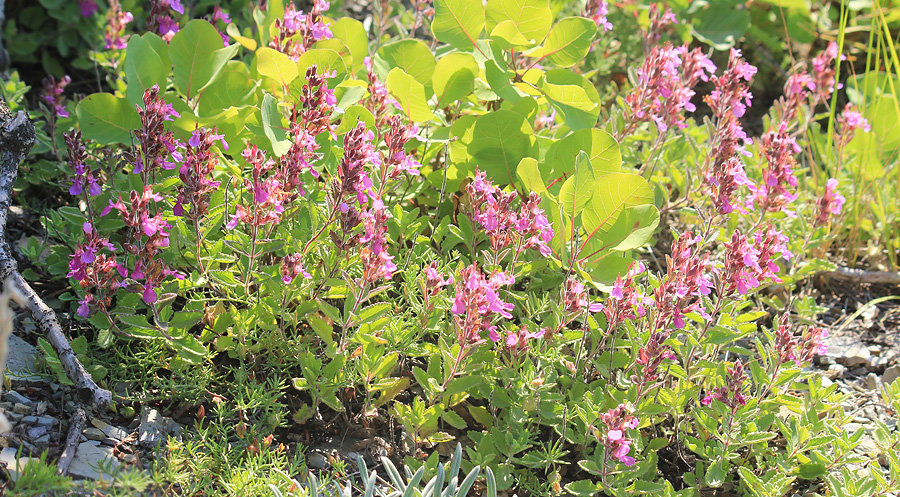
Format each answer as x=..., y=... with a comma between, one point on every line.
x=17, y=136
x=859, y=275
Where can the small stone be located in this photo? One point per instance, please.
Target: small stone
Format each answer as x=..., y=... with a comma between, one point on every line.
x=14, y=465
x=88, y=458
x=37, y=432
x=872, y=381
x=154, y=427
x=94, y=434
x=17, y=398
x=836, y=371
x=891, y=374
x=22, y=409
x=30, y=420
x=848, y=351
x=47, y=421
x=826, y=382
x=317, y=460
x=112, y=442
x=14, y=416
x=875, y=350
x=43, y=439
x=20, y=361
x=129, y=458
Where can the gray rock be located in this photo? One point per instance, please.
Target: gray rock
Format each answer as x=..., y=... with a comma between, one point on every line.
x=14, y=417
x=836, y=371
x=94, y=434
x=317, y=460
x=872, y=381
x=37, y=432
x=47, y=421
x=849, y=351
x=20, y=360
x=891, y=374
x=16, y=398
x=22, y=409
x=112, y=442
x=154, y=428
x=43, y=440
x=88, y=458
x=110, y=430
x=30, y=420
x=14, y=464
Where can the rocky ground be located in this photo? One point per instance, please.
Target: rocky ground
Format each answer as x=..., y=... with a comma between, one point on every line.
x=863, y=354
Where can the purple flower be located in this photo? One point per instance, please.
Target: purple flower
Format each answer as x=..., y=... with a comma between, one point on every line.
x=88, y=7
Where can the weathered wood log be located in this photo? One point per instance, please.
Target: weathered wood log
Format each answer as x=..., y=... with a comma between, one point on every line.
x=17, y=136
x=862, y=276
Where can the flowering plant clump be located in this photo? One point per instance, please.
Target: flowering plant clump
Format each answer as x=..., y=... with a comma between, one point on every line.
x=590, y=281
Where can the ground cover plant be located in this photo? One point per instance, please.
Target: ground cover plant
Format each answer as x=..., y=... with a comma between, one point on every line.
x=521, y=246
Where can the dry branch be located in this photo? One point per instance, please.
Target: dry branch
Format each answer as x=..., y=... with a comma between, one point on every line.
x=17, y=136
x=861, y=276
x=76, y=425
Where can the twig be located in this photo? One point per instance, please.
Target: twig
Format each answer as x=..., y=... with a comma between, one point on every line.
x=862, y=276
x=17, y=136
x=76, y=425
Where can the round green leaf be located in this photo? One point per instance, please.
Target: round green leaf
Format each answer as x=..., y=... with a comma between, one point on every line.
x=454, y=77
x=600, y=147
x=410, y=94
x=107, y=119
x=353, y=34
x=198, y=57
x=614, y=192
x=354, y=114
x=413, y=56
x=144, y=67
x=573, y=96
x=233, y=88
x=722, y=23
x=276, y=65
x=568, y=41
x=325, y=60
x=458, y=22
x=504, y=138
x=532, y=18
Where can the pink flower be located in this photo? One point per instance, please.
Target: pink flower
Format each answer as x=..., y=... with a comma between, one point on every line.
x=476, y=302
x=830, y=203
x=291, y=267
x=617, y=421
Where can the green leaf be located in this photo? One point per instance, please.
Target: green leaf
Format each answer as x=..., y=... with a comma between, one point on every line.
x=325, y=60
x=458, y=22
x=190, y=349
x=144, y=67
x=811, y=470
x=410, y=94
x=568, y=41
x=529, y=173
x=600, y=146
x=578, y=189
x=233, y=88
x=532, y=18
x=613, y=194
x=276, y=65
x=573, y=96
x=413, y=56
x=454, y=77
x=454, y=420
x=353, y=114
x=107, y=119
x=715, y=474
x=504, y=138
x=198, y=57
x=274, y=126
x=722, y=23
x=353, y=34
x=506, y=36
x=481, y=415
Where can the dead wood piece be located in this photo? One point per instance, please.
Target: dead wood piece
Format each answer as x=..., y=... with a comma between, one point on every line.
x=17, y=136
x=862, y=276
x=76, y=425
